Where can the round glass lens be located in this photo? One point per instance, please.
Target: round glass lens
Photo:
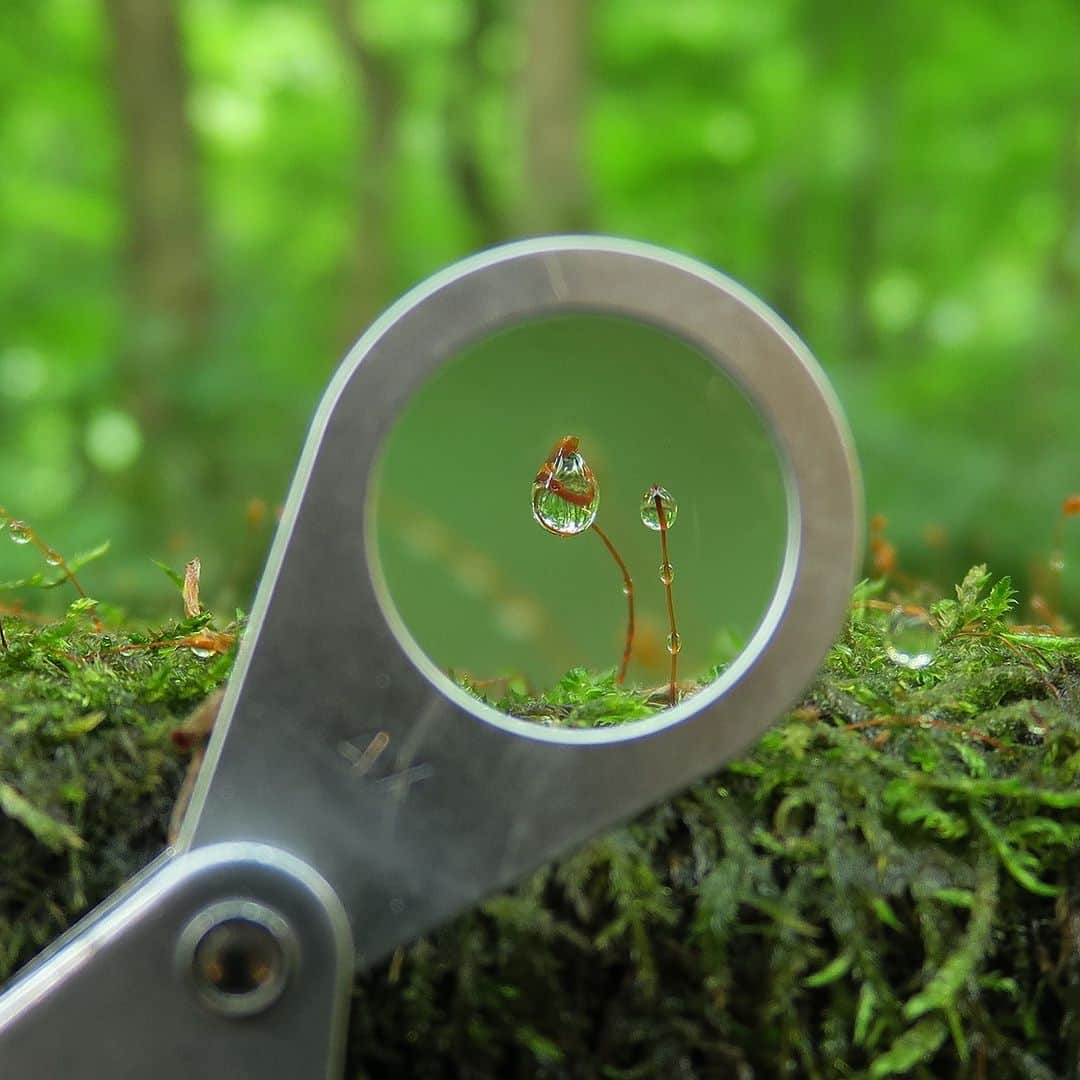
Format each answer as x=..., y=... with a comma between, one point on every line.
x=556, y=475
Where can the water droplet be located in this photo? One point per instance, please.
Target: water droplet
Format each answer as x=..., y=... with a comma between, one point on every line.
x=1057, y=561
x=911, y=638
x=674, y=643
x=565, y=495
x=202, y=654
x=53, y=558
x=626, y=590
x=667, y=573
x=19, y=532
x=649, y=514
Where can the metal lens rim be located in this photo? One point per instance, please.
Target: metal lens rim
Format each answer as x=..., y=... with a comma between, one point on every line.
x=746, y=341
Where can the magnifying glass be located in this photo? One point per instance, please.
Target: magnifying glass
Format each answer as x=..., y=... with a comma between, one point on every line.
x=409, y=555
x=510, y=453
x=646, y=400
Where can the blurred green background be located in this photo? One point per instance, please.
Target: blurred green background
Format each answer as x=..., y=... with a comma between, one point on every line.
x=202, y=203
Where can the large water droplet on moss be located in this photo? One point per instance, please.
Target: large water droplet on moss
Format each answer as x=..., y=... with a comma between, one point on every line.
x=650, y=515
x=911, y=638
x=565, y=495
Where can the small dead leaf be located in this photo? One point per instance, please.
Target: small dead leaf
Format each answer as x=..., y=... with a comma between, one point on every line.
x=191, y=588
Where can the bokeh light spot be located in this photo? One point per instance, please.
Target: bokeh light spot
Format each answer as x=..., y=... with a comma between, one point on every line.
x=113, y=440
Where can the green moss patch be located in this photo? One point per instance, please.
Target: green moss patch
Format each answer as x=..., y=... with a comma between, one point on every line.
x=887, y=884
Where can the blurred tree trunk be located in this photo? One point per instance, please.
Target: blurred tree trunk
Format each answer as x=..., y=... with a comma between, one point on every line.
x=880, y=72
x=556, y=195
x=788, y=245
x=1048, y=378
x=1063, y=267
x=464, y=159
x=166, y=260
x=368, y=273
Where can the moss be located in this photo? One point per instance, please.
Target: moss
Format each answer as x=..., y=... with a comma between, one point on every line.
x=887, y=884
x=88, y=772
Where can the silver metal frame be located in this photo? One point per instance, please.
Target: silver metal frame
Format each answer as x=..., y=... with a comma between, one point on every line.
x=113, y=1002
x=461, y=800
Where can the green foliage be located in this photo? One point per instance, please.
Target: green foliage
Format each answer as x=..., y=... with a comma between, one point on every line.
x=580, y=699
x=43, y=580
x=900, y=184
x=865, y=893
x=887, y=884
x=87, y=770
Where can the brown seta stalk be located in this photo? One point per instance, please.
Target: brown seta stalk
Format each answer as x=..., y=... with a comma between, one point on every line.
x=583, y=494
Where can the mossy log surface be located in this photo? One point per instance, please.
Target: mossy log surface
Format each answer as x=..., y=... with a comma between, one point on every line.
x=887, y=884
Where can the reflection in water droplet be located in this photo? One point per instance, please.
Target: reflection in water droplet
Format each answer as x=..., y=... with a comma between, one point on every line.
x=53, y=558
x=911, y=638
x=649, y=515
x=674, y=643
x=19, y=532
x=202, y=654
x=667, y=573
x=565, y=495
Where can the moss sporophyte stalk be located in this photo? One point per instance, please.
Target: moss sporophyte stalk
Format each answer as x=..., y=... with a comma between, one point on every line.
x=658, y=512
x=565, y=501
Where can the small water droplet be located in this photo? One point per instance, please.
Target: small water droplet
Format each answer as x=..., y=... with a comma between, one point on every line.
x=202, y=654
x=911, y=638
x=1057, y=561
x=626, y=590
x=674, y=643
x=667, y=573
x=53, y=558
x=650, y=517
x=565, y=495
x=19, y=532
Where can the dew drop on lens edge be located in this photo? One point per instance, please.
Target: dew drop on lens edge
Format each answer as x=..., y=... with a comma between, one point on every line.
x=911, y=638
x=565, y=495
x=649, y=514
